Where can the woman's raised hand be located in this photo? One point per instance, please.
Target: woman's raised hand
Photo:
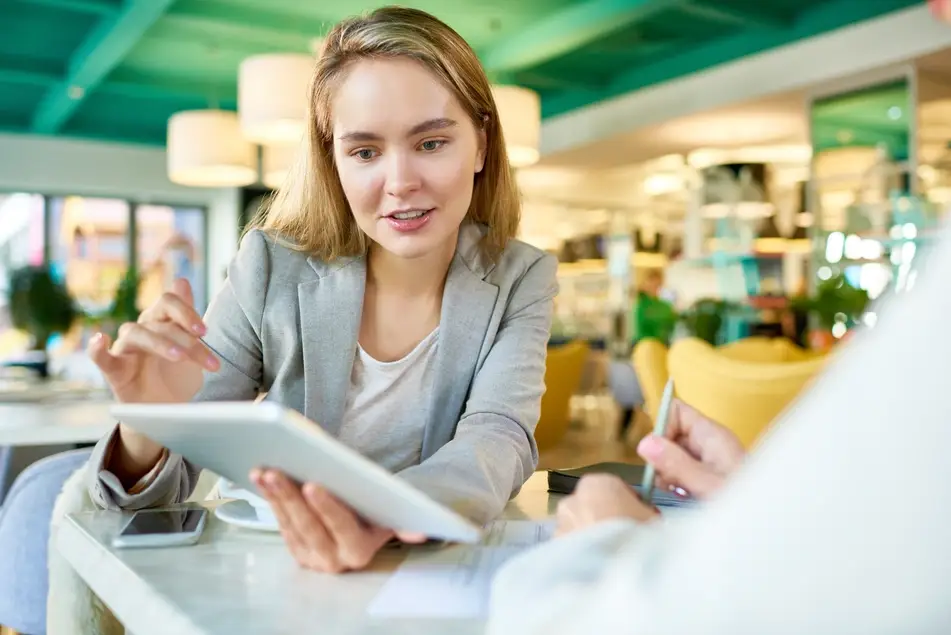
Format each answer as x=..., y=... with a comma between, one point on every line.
x=160, y=358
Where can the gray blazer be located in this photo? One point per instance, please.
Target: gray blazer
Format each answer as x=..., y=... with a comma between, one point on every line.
x=287, y=325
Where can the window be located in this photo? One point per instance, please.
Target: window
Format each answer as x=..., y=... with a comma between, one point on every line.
x=89, y=247
x=89, y=243
x=21, y=244
x=170, y=244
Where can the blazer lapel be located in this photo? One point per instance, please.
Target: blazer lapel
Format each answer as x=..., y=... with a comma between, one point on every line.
x=467, y=306
x=330, y=310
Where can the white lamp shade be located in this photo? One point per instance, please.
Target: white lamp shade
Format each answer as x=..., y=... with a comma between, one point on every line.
x=520, y=114
x=272, y=96
x=205, y=149
x=276, y=162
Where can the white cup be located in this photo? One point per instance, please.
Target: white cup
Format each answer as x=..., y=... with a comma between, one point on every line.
x=227, y=489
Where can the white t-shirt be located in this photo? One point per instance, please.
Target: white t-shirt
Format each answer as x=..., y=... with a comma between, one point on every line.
x=387, y=405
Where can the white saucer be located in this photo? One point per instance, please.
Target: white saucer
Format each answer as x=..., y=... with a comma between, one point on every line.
x=242, y=514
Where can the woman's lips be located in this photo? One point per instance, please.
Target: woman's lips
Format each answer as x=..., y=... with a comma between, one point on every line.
x=406, y=225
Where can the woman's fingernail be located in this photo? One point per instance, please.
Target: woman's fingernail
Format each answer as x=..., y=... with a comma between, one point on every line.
x=650, y=447
x=175, y=352
x=199, y=328
x=211, y=363
x=270, y=479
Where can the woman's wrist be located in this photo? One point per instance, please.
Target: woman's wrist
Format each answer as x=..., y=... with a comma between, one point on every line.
x=132, y=455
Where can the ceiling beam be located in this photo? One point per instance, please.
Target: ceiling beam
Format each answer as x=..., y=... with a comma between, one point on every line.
x=95, y=7
x=103, y=49
x=570, y=29
x=815, y=20
x=215, y=13
x=143, y=87
x=747, y=17
x=32, y=78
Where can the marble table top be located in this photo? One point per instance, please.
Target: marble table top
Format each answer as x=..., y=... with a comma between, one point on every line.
x=239, y=581
x=54, y=422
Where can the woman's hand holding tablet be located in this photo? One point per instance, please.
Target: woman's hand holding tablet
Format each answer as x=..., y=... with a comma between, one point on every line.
x=321, y=531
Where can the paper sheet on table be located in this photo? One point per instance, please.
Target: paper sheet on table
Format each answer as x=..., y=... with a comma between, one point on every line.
x=455, y=582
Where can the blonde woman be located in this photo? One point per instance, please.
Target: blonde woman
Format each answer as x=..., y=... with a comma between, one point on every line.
x=382, y=294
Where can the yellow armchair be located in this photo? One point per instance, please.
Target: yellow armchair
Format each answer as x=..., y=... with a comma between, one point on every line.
x=650, y=365
x=765, y=349
x=564, y=368
x=742, y=394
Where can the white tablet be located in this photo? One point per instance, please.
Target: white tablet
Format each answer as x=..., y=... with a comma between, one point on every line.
x=232, y=438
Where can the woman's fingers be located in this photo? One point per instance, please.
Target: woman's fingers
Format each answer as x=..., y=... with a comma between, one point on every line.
x=321, y=532
x=165, y=340
x=172, y=307
x=98, y=351
x=412, y=537
x=356, y=543
x=308, y=539
x=183, y=289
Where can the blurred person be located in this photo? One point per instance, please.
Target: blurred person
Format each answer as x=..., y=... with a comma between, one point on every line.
x=654, y=317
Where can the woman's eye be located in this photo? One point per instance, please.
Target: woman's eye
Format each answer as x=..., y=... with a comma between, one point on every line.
x=364, y=154
x=431, y=145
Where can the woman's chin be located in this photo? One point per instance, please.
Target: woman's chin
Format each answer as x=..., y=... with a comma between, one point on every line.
x=411, y=245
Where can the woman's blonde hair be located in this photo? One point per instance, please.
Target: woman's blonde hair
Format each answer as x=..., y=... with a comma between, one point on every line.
x=310, y=211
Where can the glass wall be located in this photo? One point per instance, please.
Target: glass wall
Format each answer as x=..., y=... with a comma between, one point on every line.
x=89, y=247
x=91, y=243
x=170, y=245
x=21, y=244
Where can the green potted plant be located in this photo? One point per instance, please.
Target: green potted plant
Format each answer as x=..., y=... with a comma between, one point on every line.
x=41, y=306
x=704, y=319
x=124, y=307
x=834, y=301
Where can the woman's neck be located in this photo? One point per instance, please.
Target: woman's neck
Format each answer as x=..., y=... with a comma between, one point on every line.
x=409, y=276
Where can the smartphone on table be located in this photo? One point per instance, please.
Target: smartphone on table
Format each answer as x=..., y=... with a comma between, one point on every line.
x=162, y=528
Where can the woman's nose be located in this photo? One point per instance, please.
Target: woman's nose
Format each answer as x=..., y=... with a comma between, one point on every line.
x=402, y=176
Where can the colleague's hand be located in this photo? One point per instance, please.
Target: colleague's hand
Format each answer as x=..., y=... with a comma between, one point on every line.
x=321, y=532
x=695, y=454
x=597, y=498
x=159, y=358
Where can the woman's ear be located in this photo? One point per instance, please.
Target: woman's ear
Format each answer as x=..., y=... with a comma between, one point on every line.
x=481, y=143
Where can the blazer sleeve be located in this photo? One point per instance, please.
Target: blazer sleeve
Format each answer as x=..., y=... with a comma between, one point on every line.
x=234, y=321
x=493, y=451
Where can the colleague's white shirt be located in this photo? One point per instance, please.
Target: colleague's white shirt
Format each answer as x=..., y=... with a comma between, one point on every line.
x=839, y=523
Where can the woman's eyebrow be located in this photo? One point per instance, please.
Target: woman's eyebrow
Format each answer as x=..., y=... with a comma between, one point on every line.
x=440, y=123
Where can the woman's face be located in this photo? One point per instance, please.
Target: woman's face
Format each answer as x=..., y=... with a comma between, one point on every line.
x=406, y=153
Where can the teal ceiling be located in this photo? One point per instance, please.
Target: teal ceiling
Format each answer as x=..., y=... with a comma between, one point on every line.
x=117, y=69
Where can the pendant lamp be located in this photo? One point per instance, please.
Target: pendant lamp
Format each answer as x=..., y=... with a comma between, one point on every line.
x=276, y=162
x=205, y=148
x=520, y=115
x=272, y=96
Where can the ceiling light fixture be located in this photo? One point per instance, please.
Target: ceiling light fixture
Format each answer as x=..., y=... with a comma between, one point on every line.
x=272, y=97
x=520, y=115
x=276, y=162
x=205, y=148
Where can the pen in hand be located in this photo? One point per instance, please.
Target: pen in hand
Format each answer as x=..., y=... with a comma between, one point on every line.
x=660, y=428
